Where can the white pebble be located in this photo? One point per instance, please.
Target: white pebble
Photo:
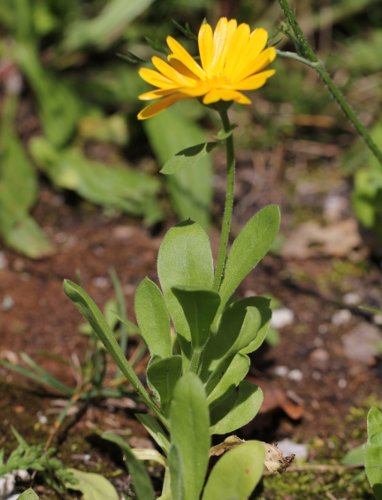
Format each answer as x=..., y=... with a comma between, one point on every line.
x=281, y=371
x=7, y=485
x=341, y=317
x=352, y=299
x=288, y=447
x=7, y=303
x=282, y=317
x=295, y=375
x=342, y=383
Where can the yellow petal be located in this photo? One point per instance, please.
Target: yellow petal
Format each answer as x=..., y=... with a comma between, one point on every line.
x=157, y=107
x=220, y=57
x=181, y=53
x=225, y=95
x=256, y=81
x=154, y=78
x=181, y=68
x=206, y=47
x=155, y=94
x=195, y=91
x=169, y=72
x=257, y=41
x=257, y=64
x=236, y=50
x=220, y=35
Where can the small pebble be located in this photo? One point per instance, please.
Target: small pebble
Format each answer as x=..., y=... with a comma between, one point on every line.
x=319, y=359
x=7, y=303
x=295, y=375
x=281, y=371
x=316, y=375
x=352, y=299
x=341, y=317
x=123, y=232
x=377, y=318
x=288, y=447
x=101, y=282
x=7, y=485
x=43, y=420
x=362, y=343
x=282, y=317
x=342, y=383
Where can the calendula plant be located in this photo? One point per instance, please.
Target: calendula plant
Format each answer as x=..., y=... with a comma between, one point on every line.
x=198, y=334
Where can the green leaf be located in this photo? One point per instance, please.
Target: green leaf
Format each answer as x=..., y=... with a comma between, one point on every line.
x=176, y=474
x=92, y=486
x=59, y=105
x=237, y=473
x=141, y=480
x=155, y=430
x=373, y=451
x=231, y=413
x=189, y=428
x=18, y=191
x=22, y=233
x=199, y=307
x=229, y=378
x=355, y=457
x=17, y=174
x=243, y=327
x=184, y=260
x=190, y=188
x=153, y=318
x=93, y=315
x=186, y=158
x=28, y=494
x=104, y=29
x=250, y=246
x=115, y=187
x=163, y=376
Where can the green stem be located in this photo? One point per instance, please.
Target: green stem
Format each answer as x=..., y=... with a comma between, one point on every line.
x=228, y=207
x=305, y=50
x=195, y=360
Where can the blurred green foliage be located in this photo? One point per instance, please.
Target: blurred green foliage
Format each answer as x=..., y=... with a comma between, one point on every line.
x=75, y=65
x=62, y=56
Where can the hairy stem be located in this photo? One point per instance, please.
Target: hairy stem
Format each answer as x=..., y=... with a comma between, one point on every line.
x=228, y=206
x=305, y=51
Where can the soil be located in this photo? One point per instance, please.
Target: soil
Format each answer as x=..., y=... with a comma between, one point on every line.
x=316, y=394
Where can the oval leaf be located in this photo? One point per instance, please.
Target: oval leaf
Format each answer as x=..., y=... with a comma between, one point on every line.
x=153, y=319
x=184, y=261
x=92, y=486
x=163, y=376
x=243, y=327
x=250, y=246
x=230, y=378
x=199, y=307
x=187, y=157
x=237, y=473
x=233, y=413
x=189, y=428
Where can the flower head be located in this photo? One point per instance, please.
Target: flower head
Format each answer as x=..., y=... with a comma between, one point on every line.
x=232, y=59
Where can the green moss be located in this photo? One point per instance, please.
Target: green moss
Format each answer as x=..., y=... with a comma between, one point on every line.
x=315, y=485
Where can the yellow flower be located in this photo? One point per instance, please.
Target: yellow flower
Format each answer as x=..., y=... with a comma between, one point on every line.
x=232, y=59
